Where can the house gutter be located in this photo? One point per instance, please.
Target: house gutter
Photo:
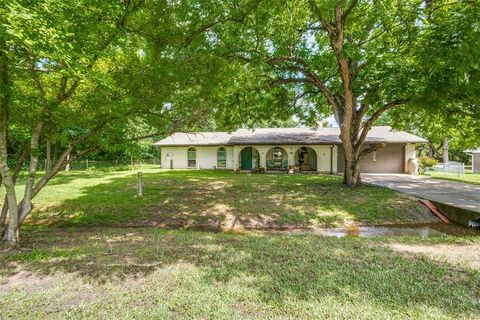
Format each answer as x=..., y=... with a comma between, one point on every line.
x=331, y=158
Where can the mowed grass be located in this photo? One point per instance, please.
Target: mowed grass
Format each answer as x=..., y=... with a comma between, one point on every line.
x=87, y=252
x=218, y=200
x=473, y=178
x=145, y=273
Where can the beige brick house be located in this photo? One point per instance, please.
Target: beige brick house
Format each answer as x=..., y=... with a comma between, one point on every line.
x=277, y=149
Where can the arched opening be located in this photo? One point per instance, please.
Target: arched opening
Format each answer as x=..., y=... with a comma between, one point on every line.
x=277, y=159
x=249, y=158
x=192, y=157
x=306, y=159
x=221, y=157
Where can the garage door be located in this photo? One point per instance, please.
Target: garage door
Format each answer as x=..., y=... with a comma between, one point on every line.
x=384, y=160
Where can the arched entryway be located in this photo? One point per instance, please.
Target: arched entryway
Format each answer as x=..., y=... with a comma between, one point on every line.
x=249, y=158
x=277, y=159
x=306, y=159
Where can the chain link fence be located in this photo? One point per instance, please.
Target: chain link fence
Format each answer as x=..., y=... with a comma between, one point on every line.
x=104, y=165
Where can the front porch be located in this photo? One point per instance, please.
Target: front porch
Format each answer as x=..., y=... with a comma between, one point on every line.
x=312, y=158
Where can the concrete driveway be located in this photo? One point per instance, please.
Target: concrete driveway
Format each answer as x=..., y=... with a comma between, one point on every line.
x=456, y=194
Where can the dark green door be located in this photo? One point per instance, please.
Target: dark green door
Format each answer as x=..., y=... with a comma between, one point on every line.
x=247, y=158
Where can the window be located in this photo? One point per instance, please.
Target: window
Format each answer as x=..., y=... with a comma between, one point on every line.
x=192, y=157
x=277, y=154
x=221, y=157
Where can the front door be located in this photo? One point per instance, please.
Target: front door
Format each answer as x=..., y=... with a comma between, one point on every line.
x=247, y=158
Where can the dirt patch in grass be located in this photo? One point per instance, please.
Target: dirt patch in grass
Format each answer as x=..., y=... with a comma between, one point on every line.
x=217, y=200
x=29, y=281
x=461, y=255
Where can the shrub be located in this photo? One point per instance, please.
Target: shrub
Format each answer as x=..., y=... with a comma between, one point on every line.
x=426, y=162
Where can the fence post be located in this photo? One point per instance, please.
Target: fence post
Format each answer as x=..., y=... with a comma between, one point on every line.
x=140, y=187
x=86, y=164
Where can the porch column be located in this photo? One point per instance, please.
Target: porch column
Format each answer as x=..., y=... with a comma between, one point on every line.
x=236, y=155
x=291, y=155
x=263, y=158
x=334, y=159
x=262, y=152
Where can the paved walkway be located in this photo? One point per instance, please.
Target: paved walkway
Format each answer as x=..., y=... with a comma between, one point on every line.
x=457, y=194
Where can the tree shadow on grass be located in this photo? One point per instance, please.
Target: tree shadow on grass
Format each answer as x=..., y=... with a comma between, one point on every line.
x=218, y=200
x=278, y=268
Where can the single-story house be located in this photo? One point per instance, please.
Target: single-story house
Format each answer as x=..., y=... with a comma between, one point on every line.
x=280, y=148
x=475, y=154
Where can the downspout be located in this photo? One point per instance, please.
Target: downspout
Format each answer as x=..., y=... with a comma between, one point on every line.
x=331, y=158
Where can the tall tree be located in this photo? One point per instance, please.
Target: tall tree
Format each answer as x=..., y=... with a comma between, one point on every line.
x=354, y=59
x=82, y=74
x=349, y=58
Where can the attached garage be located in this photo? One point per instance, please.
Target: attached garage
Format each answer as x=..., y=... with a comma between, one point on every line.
x=390, y=159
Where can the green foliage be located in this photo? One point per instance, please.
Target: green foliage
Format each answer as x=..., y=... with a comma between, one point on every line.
x=426, y=162
x=448, y=68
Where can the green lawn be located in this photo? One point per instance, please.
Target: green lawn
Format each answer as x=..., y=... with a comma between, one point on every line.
x=218, y=200
x=140, y=273
x=473, y=178
x=90, y=252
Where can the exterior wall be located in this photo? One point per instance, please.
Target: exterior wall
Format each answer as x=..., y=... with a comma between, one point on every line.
x=206, y=157
x=476, y=162
x=391, y=159
x=323, y=152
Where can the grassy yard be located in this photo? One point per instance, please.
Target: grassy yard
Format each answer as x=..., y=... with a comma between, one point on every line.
x=217, y=200
x=144, y=273
x=473, y=178
x=93, y=249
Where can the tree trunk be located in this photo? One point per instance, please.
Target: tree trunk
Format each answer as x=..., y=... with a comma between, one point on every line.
x=18, y=168
x=351, y=176
x=11, y=234
x=445, y=150
x=62, y=161
x=431, y=150
x=48, y=157
x=67, y=167
x=26, y=203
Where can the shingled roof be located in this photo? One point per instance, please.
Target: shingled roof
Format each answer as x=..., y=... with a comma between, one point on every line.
x=196, y=139
x=279, y=136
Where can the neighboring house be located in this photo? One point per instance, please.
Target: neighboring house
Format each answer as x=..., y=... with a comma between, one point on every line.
x=280, y=148
x=475, y=154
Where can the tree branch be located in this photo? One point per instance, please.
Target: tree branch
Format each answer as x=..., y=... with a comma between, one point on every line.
x=349, y=10
x=367, y=125
x=318, y=13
